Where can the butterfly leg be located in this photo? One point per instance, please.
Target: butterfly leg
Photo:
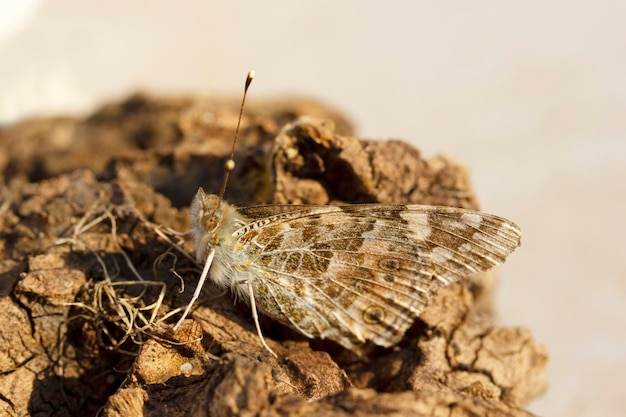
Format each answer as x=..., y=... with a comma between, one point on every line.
x=255, y=317
x=196, y=294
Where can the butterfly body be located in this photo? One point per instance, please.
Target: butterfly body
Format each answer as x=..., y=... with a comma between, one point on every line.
x=351, y=273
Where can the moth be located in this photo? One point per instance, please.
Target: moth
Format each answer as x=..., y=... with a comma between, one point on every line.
x=352, y=273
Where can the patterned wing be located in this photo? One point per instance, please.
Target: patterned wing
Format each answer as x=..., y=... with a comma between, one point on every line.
x=364, y=272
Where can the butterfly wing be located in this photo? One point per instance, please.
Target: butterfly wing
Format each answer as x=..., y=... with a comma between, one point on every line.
x=364, y=272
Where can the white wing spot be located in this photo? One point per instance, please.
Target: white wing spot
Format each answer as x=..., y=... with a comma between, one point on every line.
x=472, y=219
x=419, y=227
x=507, y=231
x=465, y=247
x=458, y=225
x=441, y=255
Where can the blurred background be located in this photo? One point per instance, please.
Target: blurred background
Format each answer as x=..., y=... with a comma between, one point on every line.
x=531, y=96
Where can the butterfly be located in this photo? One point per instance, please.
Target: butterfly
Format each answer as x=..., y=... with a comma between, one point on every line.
x=351, y=274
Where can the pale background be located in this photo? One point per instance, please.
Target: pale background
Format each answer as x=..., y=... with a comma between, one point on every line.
x=530, y=95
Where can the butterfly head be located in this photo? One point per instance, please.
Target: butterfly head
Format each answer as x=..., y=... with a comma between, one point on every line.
x=204, y=212
x=213, y=221
x=205, y=220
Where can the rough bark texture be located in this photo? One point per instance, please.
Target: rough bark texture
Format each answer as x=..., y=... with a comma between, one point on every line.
x=85, y=208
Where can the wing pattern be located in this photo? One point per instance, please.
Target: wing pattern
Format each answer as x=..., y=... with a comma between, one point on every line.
x=363, y=272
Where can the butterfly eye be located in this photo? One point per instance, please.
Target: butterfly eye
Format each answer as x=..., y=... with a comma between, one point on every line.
x=209, y=222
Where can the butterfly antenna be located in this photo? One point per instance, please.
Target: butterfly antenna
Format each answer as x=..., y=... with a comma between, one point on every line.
x=229, y=165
